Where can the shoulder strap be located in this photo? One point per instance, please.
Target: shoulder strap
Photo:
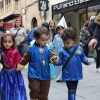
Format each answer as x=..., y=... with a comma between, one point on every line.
x=71, y=55
x=17, y=32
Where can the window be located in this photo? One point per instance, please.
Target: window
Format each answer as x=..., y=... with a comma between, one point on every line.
x=7, y=2
x=1, y=4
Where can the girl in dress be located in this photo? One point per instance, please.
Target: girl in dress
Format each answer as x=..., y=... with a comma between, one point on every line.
x=11, y=81
x=56, y=45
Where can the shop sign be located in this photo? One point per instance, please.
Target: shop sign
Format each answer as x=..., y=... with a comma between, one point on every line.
x=43, y=5
x=68, y=3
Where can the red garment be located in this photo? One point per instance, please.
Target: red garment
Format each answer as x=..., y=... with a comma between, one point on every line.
x=11, y=57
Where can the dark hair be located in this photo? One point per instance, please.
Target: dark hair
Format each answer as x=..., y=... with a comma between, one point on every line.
x=2, y=39
x=45, y=24
x=97, y=12
x=58, y=27
x=86, y=23
x=1, y=20
x=40, y=31
x=2, y=26
x=68, y=24
x=16, y=21
x=69, y=34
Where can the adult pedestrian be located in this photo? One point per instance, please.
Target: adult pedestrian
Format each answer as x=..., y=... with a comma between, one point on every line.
x=92, y=24
x=69, y=26
x=52, y=27
x=95, y=42
x=30, y=36
x=19, y=34
x=2, y=29
x=85, y=37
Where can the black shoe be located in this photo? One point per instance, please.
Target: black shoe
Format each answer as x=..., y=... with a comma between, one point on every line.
x=59, y=81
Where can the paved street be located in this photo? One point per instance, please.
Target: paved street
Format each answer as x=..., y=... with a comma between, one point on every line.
x=88, y=88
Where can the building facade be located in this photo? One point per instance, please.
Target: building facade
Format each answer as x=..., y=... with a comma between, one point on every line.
x=26, y=10
x=75, y=11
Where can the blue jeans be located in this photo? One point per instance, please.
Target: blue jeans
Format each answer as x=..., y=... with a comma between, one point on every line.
x=21, y=49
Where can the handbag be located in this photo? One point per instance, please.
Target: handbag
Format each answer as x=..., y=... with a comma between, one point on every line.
x=71, y=55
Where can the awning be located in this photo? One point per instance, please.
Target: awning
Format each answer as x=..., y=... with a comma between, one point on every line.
x=8, y=21
x=11, y=17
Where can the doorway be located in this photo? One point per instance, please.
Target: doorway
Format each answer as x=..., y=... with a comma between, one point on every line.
x=34, y=22
x=76, y=18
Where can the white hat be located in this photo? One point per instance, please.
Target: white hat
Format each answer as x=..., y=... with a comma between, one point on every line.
x=62, y=22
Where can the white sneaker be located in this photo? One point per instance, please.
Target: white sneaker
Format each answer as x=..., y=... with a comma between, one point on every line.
x=98, y=70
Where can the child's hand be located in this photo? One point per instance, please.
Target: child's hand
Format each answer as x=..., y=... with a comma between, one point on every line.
x=55, y=60
x=19, y=69
x=88, y=62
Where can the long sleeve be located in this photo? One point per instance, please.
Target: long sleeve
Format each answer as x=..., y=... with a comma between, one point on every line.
x=97, y=29
x=52, y=44
x=24, y=60
x=60, y=62
x=97, y=32
x=29, y=37
x=91, y=28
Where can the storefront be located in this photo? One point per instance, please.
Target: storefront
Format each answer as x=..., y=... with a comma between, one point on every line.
x=75, y=11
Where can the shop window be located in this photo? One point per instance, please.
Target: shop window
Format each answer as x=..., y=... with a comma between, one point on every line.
x=57, y=18
x=82, y=20
x=92, y=10
x=1, y=4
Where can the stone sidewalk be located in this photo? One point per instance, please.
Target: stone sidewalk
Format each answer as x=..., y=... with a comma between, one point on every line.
x=88, y=88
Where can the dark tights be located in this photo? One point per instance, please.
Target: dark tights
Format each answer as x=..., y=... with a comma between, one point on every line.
x=72, y=85
x=98, y=58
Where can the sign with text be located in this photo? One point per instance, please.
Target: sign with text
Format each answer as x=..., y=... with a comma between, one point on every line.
x=43, y=5
x=68, y=3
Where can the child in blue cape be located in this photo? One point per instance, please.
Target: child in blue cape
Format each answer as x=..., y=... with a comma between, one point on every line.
x=38, y=57
x=71, y=57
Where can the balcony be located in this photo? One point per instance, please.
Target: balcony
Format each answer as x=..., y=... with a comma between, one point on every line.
x=13, y=8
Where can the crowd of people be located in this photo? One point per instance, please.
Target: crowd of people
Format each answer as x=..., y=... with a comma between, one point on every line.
x=90, y=31
x=54, y=50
